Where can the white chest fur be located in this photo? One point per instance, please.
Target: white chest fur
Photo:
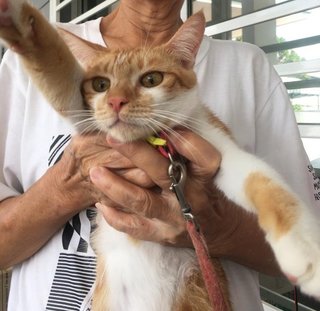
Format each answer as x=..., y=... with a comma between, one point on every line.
x=141, y=275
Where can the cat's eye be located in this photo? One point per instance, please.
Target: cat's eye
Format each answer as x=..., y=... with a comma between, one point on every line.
x=100, y=84
x=151, y=79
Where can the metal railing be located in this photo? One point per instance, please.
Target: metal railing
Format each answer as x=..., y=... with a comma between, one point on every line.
x=55, y=9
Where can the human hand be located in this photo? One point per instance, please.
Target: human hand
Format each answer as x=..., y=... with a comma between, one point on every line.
x=69, y=177
x=156, y=215
x=230, y=232
x=63, y=191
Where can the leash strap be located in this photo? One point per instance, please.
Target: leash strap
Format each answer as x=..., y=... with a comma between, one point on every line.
x=207, y=269
x=178, y=174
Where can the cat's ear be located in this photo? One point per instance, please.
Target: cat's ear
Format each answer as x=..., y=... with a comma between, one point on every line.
x=186, y=41
x=84, y=51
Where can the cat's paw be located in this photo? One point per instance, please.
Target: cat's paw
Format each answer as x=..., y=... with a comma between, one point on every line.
x=298, y=254
x=16, y=24
x=10, y=12
x=4, y=5
x=5, y=18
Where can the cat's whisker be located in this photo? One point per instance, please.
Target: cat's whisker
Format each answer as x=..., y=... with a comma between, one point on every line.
x=150, y=125
x=187, y=121
x=193, y=151
x=72, y=113
x=86, y=126
x=84, y=121
x=165, y=128
x=180, y=119
x=87, y=130
x=175, y=113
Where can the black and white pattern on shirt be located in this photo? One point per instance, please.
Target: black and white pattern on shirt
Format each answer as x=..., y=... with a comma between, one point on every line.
x=74, y=277
x=57, y=147
x=72, y=282
x=77, y=231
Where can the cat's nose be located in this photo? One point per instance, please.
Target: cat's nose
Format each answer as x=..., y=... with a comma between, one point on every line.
x=116, y=103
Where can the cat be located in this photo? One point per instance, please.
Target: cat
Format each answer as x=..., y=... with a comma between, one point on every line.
x=92, y=71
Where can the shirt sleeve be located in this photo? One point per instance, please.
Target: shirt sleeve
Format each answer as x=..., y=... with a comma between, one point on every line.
x=12, y=84
x=278, y=142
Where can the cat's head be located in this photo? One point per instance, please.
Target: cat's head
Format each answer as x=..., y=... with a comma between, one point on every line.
x=134, y=93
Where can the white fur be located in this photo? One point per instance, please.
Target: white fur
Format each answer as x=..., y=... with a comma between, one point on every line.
x=141, y=276
x=297, y=251
x=180, y=103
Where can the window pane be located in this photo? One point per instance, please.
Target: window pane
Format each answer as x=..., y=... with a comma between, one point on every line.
x=217, y=11
x=78, y=7
x=289, y=28
x=294, y=38
x=306, y=100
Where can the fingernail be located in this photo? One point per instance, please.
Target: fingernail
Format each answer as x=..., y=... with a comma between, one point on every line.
x=112, y=141
x=95, y=173
x=99, y=206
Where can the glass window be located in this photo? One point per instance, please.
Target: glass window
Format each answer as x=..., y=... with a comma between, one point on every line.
x=217, y=11
x=77, y=7
x=292, y=38
x=292, y=44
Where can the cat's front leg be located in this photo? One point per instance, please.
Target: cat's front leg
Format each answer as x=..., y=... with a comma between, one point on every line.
x=291, y=228
x=45, y=56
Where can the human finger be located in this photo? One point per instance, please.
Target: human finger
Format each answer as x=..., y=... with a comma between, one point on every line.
x=136, y=176
x=204, y=158
x=142, y=228
x=127, y=195
x=147, y=158
x=93, y=150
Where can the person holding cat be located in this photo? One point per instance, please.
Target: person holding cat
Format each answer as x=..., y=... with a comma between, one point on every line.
x=49, y=231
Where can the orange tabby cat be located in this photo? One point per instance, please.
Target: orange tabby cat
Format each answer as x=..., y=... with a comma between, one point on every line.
x=131, y=95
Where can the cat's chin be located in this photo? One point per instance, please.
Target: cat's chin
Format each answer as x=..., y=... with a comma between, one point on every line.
x=126, y=133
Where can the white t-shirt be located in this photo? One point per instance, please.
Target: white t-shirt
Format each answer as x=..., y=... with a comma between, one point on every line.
x=236, y=82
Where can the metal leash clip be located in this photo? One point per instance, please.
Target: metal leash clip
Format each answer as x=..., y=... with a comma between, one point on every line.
x=178, y=174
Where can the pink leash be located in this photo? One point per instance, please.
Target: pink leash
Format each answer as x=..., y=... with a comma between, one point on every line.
x=177, y=173
x=207, y=269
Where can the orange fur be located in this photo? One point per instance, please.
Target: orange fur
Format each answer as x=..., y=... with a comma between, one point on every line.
x=194, y=295
x=100, y=295
x=47, y=52
x=277, y=209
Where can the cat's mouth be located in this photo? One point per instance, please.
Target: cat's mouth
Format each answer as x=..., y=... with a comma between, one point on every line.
x=125, y=131
x=119, y=122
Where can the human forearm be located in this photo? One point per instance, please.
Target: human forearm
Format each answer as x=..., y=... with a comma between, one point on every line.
x=28, y=221
x=250, y=248
x=240, y=239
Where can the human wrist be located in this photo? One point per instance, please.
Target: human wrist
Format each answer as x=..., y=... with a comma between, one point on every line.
x=67, y=195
